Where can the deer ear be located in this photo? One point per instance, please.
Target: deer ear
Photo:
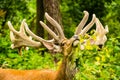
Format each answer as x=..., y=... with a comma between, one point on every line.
x=48, y=45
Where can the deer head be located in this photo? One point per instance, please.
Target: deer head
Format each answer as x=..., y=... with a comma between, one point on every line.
x=68, y=67
x=67, y=46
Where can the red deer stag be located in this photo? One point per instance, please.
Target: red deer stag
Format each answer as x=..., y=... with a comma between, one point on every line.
x=68, y=67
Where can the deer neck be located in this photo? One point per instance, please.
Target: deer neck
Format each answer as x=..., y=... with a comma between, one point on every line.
x=66, y=71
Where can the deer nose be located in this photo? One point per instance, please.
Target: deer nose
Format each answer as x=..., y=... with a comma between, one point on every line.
x=76, y=40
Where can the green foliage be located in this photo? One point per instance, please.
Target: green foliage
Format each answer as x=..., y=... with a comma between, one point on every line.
x=100, y=65
x=72, y=12
x=13, y=8
x=112, y=19
x=16, y=11
x=93, y=64
x=5, y=43
x=29, y=60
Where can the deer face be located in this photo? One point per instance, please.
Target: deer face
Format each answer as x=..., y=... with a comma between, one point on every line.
x=68, y=44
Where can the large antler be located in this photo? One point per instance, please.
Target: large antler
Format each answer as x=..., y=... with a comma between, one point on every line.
x=100, y=33
x=49, y=44
x=20, y=39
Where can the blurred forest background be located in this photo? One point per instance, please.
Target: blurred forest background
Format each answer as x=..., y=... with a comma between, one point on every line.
x=93, y=64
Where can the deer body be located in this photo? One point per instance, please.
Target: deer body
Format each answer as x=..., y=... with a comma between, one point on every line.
x=11, y=74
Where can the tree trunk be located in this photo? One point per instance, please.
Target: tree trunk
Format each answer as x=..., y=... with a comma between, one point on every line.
x=53, y=9
x=40, y=17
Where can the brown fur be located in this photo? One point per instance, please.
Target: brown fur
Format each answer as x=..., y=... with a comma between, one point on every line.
x=11, y=74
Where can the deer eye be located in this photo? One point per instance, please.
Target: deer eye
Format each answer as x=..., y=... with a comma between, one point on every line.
x=63, y=43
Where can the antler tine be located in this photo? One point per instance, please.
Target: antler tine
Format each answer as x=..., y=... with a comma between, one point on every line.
x=22, y=30
x=88, y=26
x=56, y=25
x=12, y=28
x=12, y=37
x=49, y=31
x=100, y=33
x=82, y=23
x=101, y=26
x=97, y=26
x=35, y=36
